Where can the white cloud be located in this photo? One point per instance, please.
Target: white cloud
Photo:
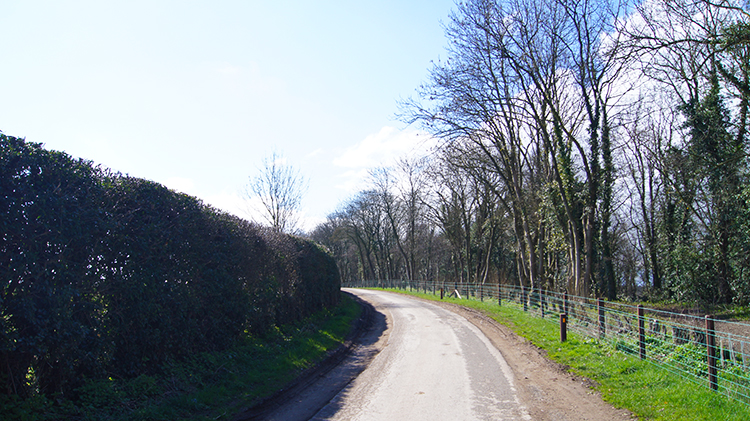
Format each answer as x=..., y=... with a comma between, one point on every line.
x=384, y=147
x=180, y=184
x=314, y=153
x=353, y=180
x=378, y=150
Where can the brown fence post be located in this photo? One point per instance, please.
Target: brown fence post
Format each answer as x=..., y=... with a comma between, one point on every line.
x=602, y=325
x=541, y=301
x=563, y=327
x=641, y=333
x=499, y=293
x=441, y=293
x=711, y=347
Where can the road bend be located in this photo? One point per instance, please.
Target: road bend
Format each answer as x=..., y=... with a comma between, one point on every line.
x=434, y=365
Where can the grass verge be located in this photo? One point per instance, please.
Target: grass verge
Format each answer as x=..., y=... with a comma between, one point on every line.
x=649, y=391
x=211, y=386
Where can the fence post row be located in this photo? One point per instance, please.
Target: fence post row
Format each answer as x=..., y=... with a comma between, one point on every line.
x=527, y=299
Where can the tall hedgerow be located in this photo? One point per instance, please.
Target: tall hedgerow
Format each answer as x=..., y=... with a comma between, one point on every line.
x=108, y=275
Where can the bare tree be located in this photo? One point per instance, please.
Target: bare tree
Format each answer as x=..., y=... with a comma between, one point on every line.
x=527, y=90
x=411, y=189
x=280, y=189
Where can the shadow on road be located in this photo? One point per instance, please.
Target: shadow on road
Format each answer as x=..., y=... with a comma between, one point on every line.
x=318, y=385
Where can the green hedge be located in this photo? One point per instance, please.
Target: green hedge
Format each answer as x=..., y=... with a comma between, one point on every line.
x=107, y=275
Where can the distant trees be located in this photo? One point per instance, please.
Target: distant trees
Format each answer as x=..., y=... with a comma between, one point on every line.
x=280, y=189
x=385, y=232
x=594, y=147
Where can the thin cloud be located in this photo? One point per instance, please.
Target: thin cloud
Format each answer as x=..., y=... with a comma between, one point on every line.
x=384, y=148
x=353, y=180
x=380, y=149
x=314, y=153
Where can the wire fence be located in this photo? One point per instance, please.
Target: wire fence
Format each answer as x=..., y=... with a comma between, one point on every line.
x=710, y=352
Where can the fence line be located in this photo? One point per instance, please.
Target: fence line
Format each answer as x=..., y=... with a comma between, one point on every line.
x=710, y=352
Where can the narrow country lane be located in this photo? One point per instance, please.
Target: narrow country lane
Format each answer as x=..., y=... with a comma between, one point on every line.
x=434, y=365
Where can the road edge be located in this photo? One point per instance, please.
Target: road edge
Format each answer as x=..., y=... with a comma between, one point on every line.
x=310, y=375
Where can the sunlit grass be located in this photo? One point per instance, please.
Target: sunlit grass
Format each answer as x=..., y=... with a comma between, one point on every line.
x=625, y=381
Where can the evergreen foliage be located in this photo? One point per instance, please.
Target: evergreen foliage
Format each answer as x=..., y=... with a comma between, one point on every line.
x=106, y=275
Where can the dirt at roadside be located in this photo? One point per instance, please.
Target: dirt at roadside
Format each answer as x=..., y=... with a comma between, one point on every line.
x=547, y=389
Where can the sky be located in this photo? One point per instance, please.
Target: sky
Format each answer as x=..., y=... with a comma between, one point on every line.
x=195, y=94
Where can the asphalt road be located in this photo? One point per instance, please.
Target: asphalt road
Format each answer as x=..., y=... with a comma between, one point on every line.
x=434, y=365
x=409, y=359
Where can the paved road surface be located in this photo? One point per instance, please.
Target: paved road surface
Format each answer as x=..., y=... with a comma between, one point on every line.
x=434, y=365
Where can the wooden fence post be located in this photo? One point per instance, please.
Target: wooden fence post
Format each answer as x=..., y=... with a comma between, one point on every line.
x=499, y=293
x=523, y=298
x=602, y=324
x=711, y=348
x=563, y=327
x=641, y=333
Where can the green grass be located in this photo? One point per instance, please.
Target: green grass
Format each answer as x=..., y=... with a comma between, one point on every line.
x=211, y=386
x=649, y=391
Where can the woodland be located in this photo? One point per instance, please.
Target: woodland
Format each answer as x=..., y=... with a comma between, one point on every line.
x=595, y=147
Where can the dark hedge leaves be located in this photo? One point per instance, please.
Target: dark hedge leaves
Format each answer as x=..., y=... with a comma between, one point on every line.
x=105, y=275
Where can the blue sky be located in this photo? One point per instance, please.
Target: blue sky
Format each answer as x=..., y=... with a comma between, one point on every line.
x=193, y=94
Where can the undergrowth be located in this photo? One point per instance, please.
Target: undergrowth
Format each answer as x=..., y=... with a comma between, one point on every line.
x=211, y=386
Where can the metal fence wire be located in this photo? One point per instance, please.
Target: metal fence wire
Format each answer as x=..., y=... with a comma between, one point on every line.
x=710, y=352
